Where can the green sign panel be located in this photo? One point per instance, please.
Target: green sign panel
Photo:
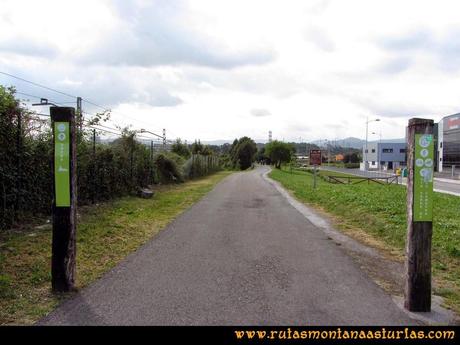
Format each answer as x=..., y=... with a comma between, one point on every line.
x=62, y=163
x=423, y=178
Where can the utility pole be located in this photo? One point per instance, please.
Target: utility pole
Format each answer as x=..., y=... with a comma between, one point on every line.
x=379, y=147
x=164, y=139
x=269, y=136
x=151, y=161
x=417, y=292
x=79, y=115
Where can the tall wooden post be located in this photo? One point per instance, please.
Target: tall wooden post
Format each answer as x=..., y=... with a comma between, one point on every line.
x=79, y=115
x=314, y=176
x=93, y=170
x=64, y=201
x=417, y=294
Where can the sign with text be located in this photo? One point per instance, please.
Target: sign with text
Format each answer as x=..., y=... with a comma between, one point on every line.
x=423, y=178
x=315, y=157
x=62, y=164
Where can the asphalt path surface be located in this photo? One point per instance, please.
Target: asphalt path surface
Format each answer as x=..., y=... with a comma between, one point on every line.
x=240, y=256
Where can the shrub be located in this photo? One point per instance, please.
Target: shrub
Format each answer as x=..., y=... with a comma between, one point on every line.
x=351, y=165
x=166, y=169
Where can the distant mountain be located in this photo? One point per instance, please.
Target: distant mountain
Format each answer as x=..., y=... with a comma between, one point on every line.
x=223, y=141
x=352, y=142
x=355, y=143
x=215, y=142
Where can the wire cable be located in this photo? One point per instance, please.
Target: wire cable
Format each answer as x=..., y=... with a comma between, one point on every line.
x=39, y=85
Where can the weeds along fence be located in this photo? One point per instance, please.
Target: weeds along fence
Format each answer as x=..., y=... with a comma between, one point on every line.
x=199, y=165
x=105, y=169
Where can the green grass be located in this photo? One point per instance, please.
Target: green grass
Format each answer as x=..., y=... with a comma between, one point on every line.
x=106, y=234
x=380, y=211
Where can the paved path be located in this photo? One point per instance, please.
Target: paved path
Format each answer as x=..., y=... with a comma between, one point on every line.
x=242, y=255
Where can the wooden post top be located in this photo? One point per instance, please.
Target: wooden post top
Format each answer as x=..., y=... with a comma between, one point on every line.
x=62, y=113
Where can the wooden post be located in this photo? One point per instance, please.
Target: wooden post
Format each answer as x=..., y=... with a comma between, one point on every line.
x=417, y=294
x=314, y=177
x=64, y=200
x=93, y=170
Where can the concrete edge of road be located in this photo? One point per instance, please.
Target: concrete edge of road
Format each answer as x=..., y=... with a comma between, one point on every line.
x=447, y=180
x=446, y=192
x=438, y=314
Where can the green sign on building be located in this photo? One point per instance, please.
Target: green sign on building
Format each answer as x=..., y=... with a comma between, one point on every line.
x=62, y=164
x=423, y=178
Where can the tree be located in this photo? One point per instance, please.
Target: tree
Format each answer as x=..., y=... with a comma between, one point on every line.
x=181, y=149
x=245, y=152
x=242, y=153
x=260, y=156
x=197, y=147
x=279, y=152
x=351, y=158
x=206, y=151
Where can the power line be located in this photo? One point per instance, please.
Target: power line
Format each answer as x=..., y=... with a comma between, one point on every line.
x=38, y=97
x=39, y=85
x=71, y=96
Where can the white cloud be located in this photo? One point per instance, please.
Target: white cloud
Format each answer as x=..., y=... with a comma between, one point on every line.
x=209, y=69
x=260, y=112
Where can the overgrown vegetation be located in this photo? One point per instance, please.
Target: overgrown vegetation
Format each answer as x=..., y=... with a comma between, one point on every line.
x=279, y=152
x=241, y=154
x=104, y=170
x=380, y=210
x=106, y=233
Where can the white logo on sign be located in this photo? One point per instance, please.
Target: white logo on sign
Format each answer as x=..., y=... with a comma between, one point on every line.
x=419, y=162
x=424, y=153
x=61, y=127
x=426, y=174
x=424, y=140
x=429, y=162
x=61, y=136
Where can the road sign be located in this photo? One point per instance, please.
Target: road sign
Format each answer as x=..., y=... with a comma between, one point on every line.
x=315, y=157
x=62, y=164
x=423, y=178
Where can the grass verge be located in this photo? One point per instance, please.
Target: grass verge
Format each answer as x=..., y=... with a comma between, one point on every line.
x=106, y=234
x=379, y=211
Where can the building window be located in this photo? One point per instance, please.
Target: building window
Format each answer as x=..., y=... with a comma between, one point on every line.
x=373, y=150
x=373, y=162
x=387, y=150
x=382, y=163
x=402, y=150
x=366, y=150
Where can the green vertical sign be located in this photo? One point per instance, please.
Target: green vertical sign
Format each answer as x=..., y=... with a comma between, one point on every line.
x=423, y=178
x=62, y=163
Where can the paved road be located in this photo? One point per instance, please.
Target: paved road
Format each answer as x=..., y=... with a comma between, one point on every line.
x=242, y=255
x=442, y=186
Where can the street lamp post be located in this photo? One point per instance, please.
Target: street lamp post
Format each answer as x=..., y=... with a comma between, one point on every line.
x=378, y=149
x=367, y=132
x=328, y=152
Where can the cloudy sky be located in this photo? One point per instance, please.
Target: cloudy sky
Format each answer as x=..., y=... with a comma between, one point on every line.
x=310, y=69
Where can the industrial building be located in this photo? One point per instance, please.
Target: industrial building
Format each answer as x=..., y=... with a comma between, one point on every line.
x=447, y=137
x=384, y=156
